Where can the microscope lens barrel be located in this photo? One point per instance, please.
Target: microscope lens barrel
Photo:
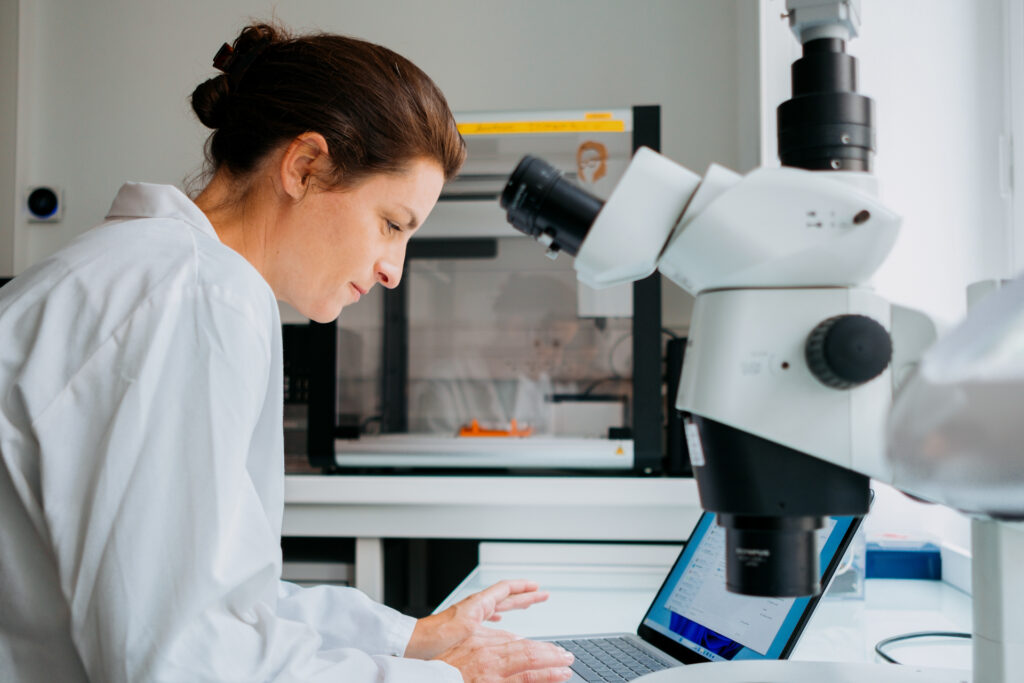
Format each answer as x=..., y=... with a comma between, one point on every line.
x=775, y=557
x=826, y=125
x=771, y=500
x=543, y=204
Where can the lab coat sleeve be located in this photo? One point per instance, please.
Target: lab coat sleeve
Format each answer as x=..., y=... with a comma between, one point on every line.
x=346, y=617
x=167, y=558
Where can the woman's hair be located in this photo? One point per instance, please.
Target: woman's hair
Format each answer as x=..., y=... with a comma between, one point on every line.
x=376, y=109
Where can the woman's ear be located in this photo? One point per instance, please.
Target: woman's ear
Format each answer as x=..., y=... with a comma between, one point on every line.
x=305, y=157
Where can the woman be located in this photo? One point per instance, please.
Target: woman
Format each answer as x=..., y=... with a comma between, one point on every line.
x=141, y=475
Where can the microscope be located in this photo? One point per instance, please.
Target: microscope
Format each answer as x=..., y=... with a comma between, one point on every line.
x=792, y=360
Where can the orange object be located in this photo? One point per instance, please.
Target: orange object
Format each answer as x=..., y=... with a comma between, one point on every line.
x=474, y=429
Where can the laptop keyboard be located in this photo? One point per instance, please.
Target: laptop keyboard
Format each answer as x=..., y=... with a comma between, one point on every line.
x=610, y=659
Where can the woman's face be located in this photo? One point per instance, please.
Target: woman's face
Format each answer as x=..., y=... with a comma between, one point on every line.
x=335, y=245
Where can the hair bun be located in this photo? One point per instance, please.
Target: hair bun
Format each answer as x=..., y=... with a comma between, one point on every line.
x=209, y=101
x=257, y=37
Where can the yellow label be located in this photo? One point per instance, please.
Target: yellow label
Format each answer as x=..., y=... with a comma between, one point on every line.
x=520, y=127
x=619, y=451
x=597, y=115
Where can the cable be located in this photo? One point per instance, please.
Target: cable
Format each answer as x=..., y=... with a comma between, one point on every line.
x=611, y=354
x=596, y=383
x=911, y=636
x=368, y=421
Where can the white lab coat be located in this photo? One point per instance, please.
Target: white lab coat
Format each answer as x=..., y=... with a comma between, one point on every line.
x=141, y=472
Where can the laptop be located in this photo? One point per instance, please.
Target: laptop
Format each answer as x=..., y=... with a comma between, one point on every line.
x=694, y=619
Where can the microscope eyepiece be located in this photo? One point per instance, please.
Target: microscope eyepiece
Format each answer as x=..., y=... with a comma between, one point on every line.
x=542, y=203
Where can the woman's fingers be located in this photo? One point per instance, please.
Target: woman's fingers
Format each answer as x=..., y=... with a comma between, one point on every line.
x=509, y=594
x=544, y=676
x=503, y=589
x=521, y=656
x=493, y=659
x=521, y=601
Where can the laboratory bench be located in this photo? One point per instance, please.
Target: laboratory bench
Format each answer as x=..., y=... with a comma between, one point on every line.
x=373, y=508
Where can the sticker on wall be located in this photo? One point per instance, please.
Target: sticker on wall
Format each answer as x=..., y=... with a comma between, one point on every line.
x=535, y=127
x=591, y=162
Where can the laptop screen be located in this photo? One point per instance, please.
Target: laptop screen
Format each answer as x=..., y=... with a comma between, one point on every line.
x=694, y=609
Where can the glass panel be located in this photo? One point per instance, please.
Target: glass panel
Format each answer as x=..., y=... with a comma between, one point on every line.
x=497, y=340
x=360, y=344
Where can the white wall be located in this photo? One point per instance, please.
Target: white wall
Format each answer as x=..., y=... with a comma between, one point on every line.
x=1013, y=35
x=8, y=129
x=108, y=99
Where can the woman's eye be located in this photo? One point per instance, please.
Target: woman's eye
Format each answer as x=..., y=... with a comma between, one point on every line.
x=394, y=226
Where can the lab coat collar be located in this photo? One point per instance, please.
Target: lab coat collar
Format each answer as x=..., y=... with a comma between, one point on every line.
x=146, y=200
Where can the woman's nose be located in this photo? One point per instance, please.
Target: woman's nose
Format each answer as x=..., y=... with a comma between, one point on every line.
x=389, y=274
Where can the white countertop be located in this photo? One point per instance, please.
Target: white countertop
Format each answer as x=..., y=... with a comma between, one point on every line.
x=491, y=507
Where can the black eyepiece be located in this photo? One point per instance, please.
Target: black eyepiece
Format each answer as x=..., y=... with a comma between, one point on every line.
x=546, y=206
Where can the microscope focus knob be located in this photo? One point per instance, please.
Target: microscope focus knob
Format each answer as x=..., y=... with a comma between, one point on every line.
x=848, y=350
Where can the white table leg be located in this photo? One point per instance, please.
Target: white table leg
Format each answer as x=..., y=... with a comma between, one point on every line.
x=370, y=567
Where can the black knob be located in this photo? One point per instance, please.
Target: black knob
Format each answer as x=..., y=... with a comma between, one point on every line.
x=848, y=350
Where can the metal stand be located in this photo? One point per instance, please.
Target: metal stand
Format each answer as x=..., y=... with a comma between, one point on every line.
x=997, y=550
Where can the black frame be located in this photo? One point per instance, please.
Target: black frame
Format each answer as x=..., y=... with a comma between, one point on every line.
x=648, y=443
x=647, y=406
x=688, y=656
x=323, y=394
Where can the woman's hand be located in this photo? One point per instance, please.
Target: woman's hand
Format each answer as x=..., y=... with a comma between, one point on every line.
x=440, y=632
x=492, y=656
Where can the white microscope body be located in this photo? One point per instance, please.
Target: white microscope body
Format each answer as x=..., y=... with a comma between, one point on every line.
x=769, y=257
x=792, y=360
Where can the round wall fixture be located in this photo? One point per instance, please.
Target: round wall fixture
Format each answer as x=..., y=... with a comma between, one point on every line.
x=44, y=204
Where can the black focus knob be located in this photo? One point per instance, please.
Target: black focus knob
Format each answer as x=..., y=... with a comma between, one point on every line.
x=848, y=350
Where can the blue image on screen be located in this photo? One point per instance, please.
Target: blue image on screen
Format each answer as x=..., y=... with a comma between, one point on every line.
x=696, y=566
x=703, y=636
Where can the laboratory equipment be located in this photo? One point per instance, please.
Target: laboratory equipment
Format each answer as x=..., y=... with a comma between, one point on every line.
x=792, y=361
